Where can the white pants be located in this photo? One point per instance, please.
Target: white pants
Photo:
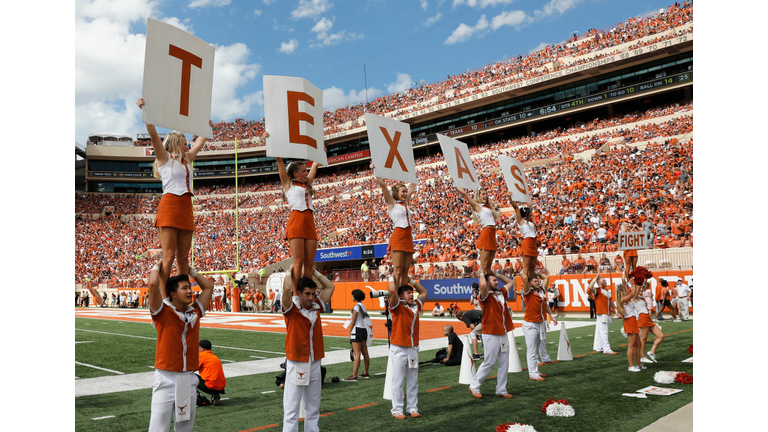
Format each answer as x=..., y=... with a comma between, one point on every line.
x=602, y=333
x=164, y=399
x=492, y=349
x=292, y=395
x=683, y=303
x=400, y=373
x=534, y=346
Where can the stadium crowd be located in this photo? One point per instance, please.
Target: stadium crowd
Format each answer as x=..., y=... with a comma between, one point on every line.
x=579, y=204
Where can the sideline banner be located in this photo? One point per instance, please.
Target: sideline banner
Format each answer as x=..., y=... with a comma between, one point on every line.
x=391, y=149
x=178, y=80
x=293, y=116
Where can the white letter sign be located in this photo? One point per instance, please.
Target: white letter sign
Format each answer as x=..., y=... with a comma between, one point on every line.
x=293, y=116
x=632, y=240
x=513, y=174
x=178, y=80
x=391, y=149
x=460, y=166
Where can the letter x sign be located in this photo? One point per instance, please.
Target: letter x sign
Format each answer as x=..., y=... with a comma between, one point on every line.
x=178, y=80
x=391, y=148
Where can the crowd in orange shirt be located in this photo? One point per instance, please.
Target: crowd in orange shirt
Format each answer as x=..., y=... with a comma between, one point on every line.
x=578, y=205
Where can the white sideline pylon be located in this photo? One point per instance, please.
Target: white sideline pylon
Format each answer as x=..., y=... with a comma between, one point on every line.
x=564, y=352
x=388, y=378
x=514, y=356
x=468, y=370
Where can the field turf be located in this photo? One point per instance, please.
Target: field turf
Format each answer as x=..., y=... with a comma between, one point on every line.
x=592, y=383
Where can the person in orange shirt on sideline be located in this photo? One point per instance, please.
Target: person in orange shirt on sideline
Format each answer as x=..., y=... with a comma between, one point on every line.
x=304, y=349
x=211, y=373
x=603, y=305
x=259, y=301
x=176, y=317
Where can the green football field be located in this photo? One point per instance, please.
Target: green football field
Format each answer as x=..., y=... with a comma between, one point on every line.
x=592, y=383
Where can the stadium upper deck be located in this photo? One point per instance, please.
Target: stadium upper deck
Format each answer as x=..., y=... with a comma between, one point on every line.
x=633, y=59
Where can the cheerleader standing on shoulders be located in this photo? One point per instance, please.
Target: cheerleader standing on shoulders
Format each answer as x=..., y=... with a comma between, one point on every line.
x=485, y=213
x=300, y=231
x=401, y=241
x=529, y=247
x=174, y=220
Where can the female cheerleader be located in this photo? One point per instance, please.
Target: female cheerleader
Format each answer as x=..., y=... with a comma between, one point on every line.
x=300, y=231
x=358, y=334
x=647, y=325
x=529, y=247
x=401, y=241
x=174, y=220
x=630, y=256
x=485, y=213
x=626, y=294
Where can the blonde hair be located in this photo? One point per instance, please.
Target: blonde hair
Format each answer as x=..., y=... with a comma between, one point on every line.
x=393, y=189
x=475, y=217
x=621, y=291
x=172, y=144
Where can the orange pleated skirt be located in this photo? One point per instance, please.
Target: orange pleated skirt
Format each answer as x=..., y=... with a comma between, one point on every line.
x=487, y=239
x=301, y=224
x=401, y=240
x=644, y=321
x=630, y=253
x=528, y=247
x=630, y=325
x=175, y=211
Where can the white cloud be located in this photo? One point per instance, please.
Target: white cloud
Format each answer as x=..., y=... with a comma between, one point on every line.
x=433, y=19
x=231, y=71
x=513, y=18
x=555, y=6
x=424, y=5
x=482, y=3
x=257, y=12
x=326, y=38
x=402, y=83
x=288, y=47
x=311, y=8
x=109, y=68
x=335, y=97
x=178, y=23
x=268, y=2
x=205, y=3
x=463, y=32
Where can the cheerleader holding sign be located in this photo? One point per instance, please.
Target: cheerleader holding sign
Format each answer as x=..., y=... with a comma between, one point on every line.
x=485, y=213
x=401, y=241
x=300, y=232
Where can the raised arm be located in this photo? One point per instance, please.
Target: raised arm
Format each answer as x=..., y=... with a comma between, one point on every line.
x=385, y=192
x=592, y=287
x=313, y=170
x=509, y=284
x=328, y=287
x=411, y=190
x=285, y=179
x=419, y=289
x=472, y=203
x=287, y=293
x=157, y=145
x=518, y=216
x=206, y=285
x=198, y=145
x=155, y=299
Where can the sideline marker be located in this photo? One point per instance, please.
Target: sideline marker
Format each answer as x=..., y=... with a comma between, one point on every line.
x=514, y=356
x=564, y=349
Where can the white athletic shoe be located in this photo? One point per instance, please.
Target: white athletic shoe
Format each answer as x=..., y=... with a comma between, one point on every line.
x=651, y=356
x=634, y=369
x=646, y=360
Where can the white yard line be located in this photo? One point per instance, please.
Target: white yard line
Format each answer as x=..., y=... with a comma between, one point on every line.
x=100, y=368
x=102, y=418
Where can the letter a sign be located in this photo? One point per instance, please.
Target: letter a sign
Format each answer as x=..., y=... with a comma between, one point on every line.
x=178, y=80
x=391, y=149
x=513, y=174
x=293, y=114
x=460, y=166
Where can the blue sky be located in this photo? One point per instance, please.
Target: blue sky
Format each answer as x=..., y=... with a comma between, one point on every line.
x=324, y=41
